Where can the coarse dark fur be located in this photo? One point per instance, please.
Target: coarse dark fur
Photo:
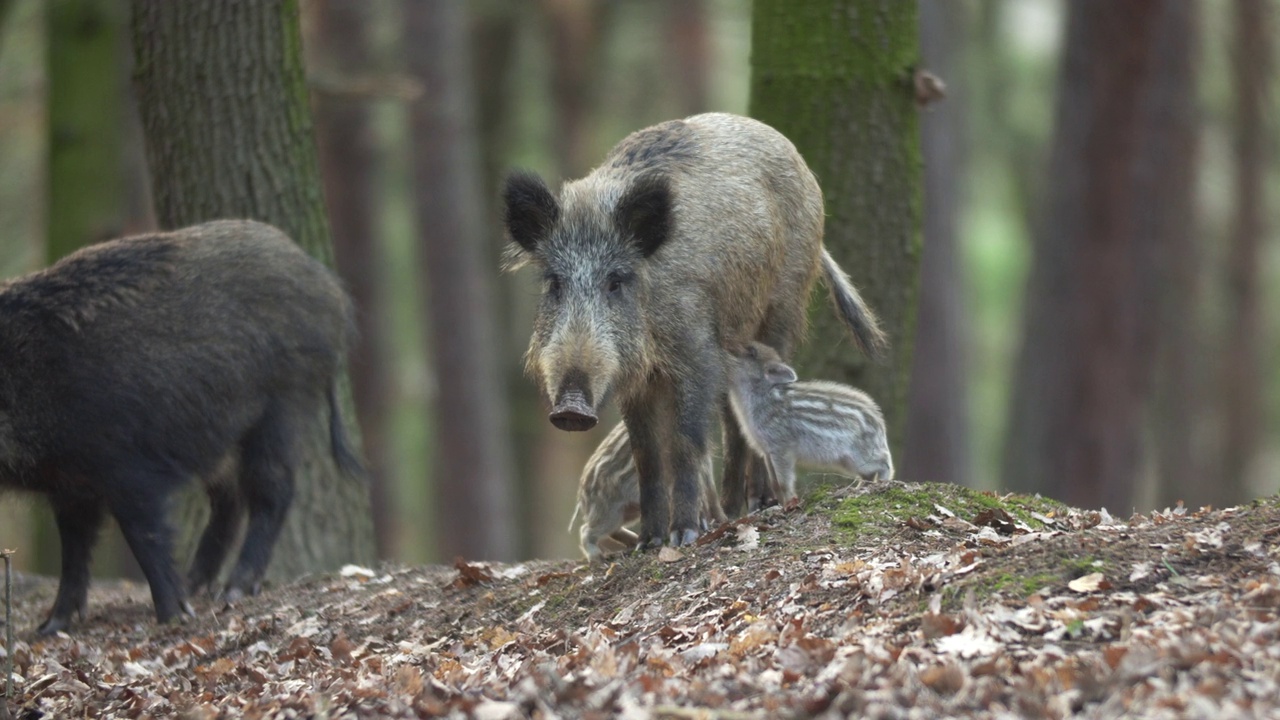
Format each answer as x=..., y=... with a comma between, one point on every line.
x=134, y=365
x=692, y=237
x=819, y=424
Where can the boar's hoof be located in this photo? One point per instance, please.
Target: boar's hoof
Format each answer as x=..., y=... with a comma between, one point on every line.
x=683, y=537
x=652, y=543
x=53, y=625
x=572, y=413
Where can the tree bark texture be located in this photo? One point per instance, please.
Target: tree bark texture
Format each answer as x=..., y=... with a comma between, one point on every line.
x=346, y=144
x=937, y=435
x=1242, y=380
x=87, y=112
x=86, y=181
x=224, y=105
x=1178, y=405
x=473, y=461
x=836, y=77
x=1091, y=324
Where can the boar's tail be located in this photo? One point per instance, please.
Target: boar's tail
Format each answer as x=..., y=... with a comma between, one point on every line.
x=339, y=444
x=859, y=318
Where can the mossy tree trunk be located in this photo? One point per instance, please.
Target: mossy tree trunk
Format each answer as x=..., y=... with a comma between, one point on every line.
x=94, y=190
x=228, y=131
x=836, y=77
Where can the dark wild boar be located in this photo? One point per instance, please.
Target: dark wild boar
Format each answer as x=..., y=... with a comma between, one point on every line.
x=818, y=424
x=132, y=366
x=692, y=237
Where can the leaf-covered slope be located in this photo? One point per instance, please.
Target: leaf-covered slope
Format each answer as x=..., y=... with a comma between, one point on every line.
x=879, y=601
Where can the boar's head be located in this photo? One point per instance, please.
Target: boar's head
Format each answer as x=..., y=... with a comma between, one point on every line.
x=592, y=246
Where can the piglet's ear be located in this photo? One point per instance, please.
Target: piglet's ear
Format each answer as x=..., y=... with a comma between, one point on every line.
x=531, y=209
x=644, y=213
x=780, y=373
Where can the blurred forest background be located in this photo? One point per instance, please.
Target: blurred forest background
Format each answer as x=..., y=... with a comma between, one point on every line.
x=1100, y=273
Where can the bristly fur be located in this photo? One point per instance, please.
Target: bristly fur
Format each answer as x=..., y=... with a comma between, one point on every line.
x=692, y=236
x=820, y=424
x=859, y=318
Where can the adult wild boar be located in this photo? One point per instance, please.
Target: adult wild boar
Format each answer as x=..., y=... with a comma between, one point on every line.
x=693, y=236
x=134, y=365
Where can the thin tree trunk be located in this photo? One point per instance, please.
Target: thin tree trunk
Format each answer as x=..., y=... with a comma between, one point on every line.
x=224, y=105
x=574, y=29
x=937, y=445
x=836, y=78
x=345, y=141
x=1178, y=404
x=1090, y=338
x=473, y=460
x=1242, y=381
x=86, y=181
x=689, y=39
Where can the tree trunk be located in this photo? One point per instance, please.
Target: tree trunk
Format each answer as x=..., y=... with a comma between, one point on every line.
x=836, y=77
x=1242, y=381
x=86, y=181
x=223, y=100
x=688, y=34
x=345, y=141
x=473, y=459
x=937, y=435
x=1178, y=402
x=1089, y=336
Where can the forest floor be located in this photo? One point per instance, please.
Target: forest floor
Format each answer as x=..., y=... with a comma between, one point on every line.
x=883, y=600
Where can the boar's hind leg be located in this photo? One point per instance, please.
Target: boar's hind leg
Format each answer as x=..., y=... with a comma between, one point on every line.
x=215, y=543
x=138, y=502
x=78, y=523
x=266, y=485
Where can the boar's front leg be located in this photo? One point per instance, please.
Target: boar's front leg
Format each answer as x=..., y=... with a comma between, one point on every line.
x=695, y=400
x=644, y=420
x=79, y=520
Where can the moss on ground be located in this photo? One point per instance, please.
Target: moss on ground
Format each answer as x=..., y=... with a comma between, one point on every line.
x=890, y=507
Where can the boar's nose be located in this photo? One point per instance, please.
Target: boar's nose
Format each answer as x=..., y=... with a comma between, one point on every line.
x=573, y=413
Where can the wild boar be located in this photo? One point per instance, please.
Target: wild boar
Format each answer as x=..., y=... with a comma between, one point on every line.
x=609, y=497
x=823, y=425
x=692, y=237
x=134, y=365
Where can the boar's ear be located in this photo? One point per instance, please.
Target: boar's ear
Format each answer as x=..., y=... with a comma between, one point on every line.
x=531, y=209
x=644, y=213
x=780, y=373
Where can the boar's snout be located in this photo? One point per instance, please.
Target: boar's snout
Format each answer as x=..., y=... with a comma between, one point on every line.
x=573, y=409
x=572, y=412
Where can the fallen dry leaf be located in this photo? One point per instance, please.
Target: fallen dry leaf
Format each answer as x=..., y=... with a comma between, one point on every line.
x=1090, y=583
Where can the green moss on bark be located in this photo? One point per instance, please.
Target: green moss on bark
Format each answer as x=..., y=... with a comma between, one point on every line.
x=836, y=77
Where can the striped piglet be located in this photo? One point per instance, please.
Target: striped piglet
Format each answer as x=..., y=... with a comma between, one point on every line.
x=822, y=425
x=609, y=497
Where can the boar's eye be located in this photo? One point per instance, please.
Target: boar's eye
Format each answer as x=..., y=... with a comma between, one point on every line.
x=615, y=282
x=553, y=286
